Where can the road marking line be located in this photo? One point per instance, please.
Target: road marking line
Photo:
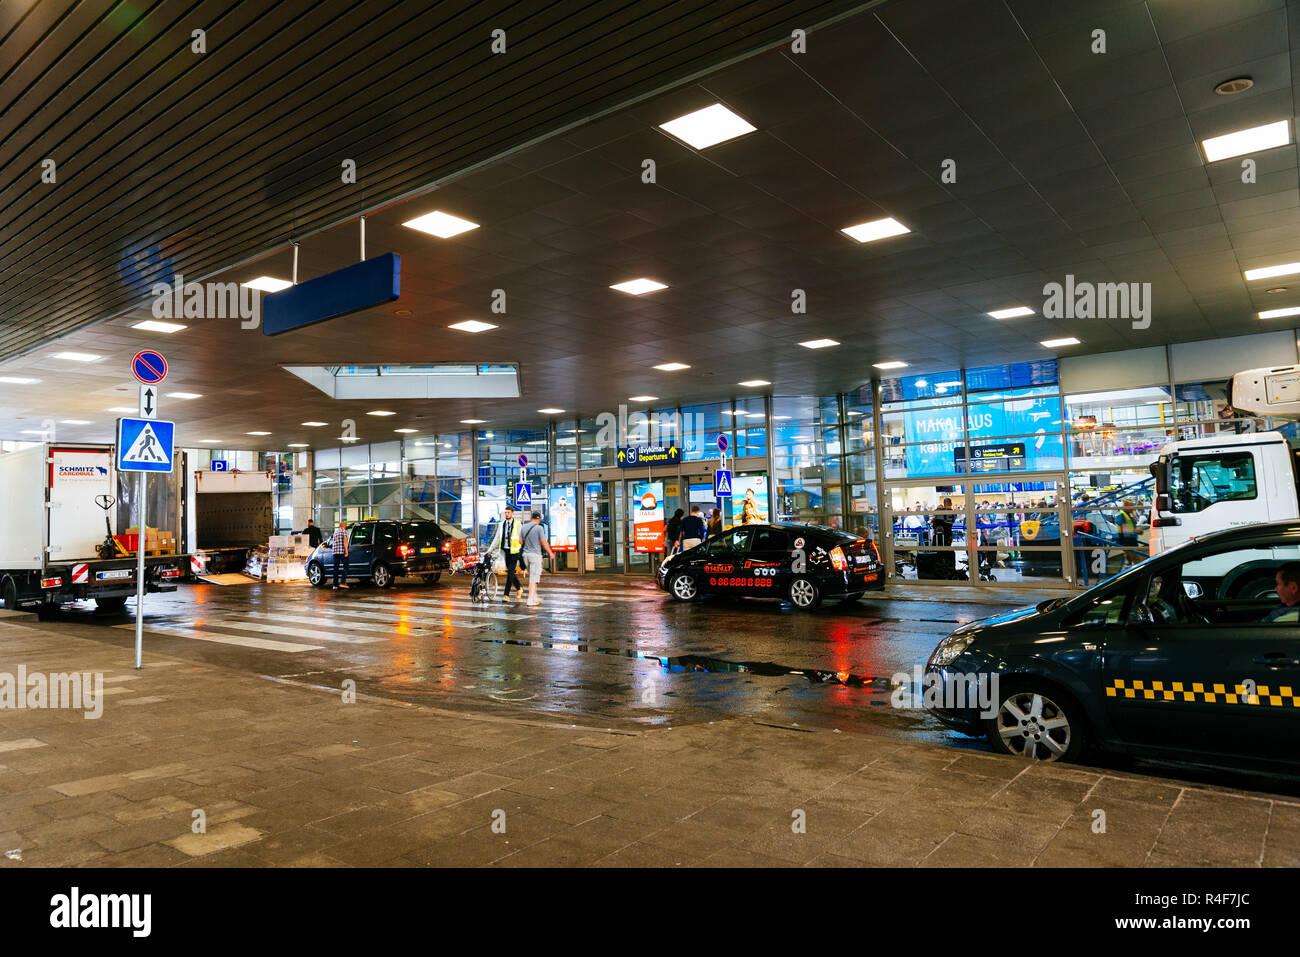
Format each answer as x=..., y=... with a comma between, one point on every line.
x=373, y=623
x=265, y=644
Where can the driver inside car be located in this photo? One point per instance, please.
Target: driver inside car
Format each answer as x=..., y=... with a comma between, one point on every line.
x=1167, y=601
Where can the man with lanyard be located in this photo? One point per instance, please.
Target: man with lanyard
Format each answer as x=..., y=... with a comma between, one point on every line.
x=509, y=538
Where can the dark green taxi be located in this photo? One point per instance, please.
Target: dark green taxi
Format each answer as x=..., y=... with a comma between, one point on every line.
x=1172, y=659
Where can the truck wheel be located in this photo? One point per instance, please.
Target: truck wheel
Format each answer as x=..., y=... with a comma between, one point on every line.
x=10, y=594
x=108, y=605
x=382, y=576
x=316, y=574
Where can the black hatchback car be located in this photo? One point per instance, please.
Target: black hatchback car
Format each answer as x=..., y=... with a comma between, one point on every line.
x=1172, y=658
x=383, y=551
x=801, y=564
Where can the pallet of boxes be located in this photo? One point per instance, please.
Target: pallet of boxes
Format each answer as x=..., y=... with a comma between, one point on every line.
x=464, y=555
x=157, y=541
x=286, y=558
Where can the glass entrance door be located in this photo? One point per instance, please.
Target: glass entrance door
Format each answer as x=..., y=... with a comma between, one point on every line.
x=602, y=526
x=954, y=530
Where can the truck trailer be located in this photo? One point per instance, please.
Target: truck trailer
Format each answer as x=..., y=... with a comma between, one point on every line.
x=230, y=514
x=64, y=515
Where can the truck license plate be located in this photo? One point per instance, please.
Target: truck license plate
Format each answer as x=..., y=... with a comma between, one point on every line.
x=113, y=575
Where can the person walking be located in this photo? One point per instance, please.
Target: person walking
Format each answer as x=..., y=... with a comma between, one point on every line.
x=533, y=542
x=339, y=544
x=313, y=533
x=691, y=532
x=673, y=531
x=715, y=522
x=942, y=523
x=509, y=538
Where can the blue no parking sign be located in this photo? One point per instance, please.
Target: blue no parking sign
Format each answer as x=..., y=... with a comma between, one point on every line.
x=149, y=367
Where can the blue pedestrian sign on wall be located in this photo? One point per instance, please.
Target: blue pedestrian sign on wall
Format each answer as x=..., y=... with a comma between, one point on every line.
x=722, y=483
x=523, y=495
x=144, y=445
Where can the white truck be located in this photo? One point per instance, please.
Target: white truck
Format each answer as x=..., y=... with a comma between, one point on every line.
x=60, y=507
x=1221, y=481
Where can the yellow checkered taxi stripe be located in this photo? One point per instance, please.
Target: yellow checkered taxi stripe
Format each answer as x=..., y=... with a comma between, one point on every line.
x=1275, y=697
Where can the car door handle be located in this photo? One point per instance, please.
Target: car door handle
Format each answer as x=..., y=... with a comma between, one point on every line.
x=1277, y=659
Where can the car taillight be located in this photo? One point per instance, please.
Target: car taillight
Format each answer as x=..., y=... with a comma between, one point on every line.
x=51, y=582
x=875, y=551
x=446, y=546
x=405, y=551
x=838, y=560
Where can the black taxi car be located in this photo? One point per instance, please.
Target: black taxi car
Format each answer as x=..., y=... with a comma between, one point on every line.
x=801, y=564
x=382, y=551
x=1168, y=659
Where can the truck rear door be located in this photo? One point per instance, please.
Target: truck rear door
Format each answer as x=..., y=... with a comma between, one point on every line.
x=76, y=476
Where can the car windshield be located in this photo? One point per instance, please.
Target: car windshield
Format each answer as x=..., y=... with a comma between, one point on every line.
x=422, y=532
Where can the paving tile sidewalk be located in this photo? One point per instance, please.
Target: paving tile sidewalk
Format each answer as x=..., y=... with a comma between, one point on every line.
x=289, y=776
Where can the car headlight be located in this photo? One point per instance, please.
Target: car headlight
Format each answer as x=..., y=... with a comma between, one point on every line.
x=950, y=649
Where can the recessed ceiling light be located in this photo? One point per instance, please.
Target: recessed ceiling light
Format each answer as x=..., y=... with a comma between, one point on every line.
x=31, y=431
x=1238, y=84
x=818, y=343
x=1268, y=272
x=1057, y=343
x=184, y=395
x=211, y=441
x=472, y=325
x=1276, y=289
x=1280, y=313
x=267, y=284
x=298, y=445
x=672, y=366
x=18, y=380
x=1250, y=140
x=550, y=411
x=1014, y=312
x=891, y=364
x=780, y=418
x=406, y=431
x=124, y=409
x=638, y=287
x=257, y=433
x=472, y=421
x=876, y=229
x=153, y=325
x=75, y=422
x=78, y=356
x=754, y=383
x=708, y=127
x=642, y=398
x=442, y=225
x=381, y=412
x=314, y=424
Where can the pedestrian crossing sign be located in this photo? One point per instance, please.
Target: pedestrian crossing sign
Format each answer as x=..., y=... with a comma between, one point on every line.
x=523, y=495
x=722, y=483
x=145, y=445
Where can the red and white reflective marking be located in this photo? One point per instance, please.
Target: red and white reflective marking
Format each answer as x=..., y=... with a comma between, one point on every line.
x=80, y=574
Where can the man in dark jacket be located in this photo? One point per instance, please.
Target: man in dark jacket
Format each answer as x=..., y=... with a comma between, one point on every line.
x=312, y=532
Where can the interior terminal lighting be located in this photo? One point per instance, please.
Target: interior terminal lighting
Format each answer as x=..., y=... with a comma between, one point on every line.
x=550, y=411
x=18, y=380
x=708, y=127
x=381, y=412
x=472, y=325
x=184, y=395
x=472, y=421
x=1268, y=272
x=154, y=325
x=442, y=225
x=257, y=433
x=124, y=409
x=298, y=445
x=639, y=287
x=754, y=383
x=75, y=422
x=1057, y=343
x=1015, y=312
x=781, y=418
x=875, y=229
x=315, y=424
x=672, y=366
x=407, y=431
x=1280, y=313
x=642, y=398
x=267, y=284
x=77, y=356
x=819, y=343
x=211, y=441
x=1247, y=141
x=890, y=364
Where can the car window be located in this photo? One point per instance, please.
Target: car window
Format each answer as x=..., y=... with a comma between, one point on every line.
x=771, y=540
x=1105, y=610
x=1226, y=587
x=735, y=542
x=386, y=533
x=1197, y=481
x=362, y=534
x=422, y=532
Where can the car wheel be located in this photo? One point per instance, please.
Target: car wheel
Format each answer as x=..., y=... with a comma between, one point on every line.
x=804, y=594
x=10, y=594
x=683, y=587
x=316, y=574
x=382, y=575
x=1037, y=722
x=109, y=605
x=432, y=579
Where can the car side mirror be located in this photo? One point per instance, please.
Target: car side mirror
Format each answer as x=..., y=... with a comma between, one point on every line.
x=1193, y=590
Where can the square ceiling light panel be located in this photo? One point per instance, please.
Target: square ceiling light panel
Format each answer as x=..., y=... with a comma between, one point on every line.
x=708, y=127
